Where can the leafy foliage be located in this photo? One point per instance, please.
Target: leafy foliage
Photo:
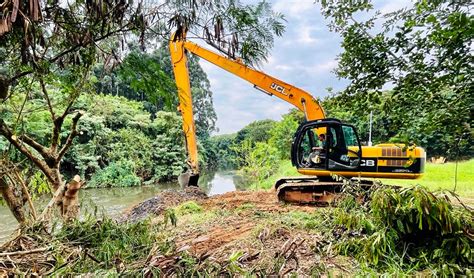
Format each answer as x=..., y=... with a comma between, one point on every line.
x=411, y=226
x=235, y=29
x=108, y=242
x=120, y=139
x=282, y=133
x=116, y=174
x=258, y=131
x=260, y=161
x=221, y=152
x=423, y=54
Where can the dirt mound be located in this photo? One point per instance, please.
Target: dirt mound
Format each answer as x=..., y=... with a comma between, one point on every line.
x=159, y=203
x=205, y=242
x=264, y=200
x=250, y=224
x=235, y=199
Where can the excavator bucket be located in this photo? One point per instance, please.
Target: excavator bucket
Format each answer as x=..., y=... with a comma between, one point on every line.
x=188, y=179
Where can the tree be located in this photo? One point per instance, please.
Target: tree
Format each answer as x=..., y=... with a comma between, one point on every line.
x=257, y=131
x=282, y=133
x=151, y=75
x=423, y=53
x=48, y=49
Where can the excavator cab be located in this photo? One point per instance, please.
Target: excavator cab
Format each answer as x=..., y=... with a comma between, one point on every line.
x=326, y=147
x=326, y=144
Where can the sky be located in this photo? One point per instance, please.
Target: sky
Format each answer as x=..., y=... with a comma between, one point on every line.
x=305, y=56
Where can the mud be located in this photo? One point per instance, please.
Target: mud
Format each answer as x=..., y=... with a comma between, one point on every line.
x=158, y=204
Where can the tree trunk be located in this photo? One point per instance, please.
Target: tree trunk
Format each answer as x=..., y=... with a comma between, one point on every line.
x=70, y=201
x=12, y=201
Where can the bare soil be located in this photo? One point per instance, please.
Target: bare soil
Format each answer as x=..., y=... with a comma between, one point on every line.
x=263, y=200
x=248, y=222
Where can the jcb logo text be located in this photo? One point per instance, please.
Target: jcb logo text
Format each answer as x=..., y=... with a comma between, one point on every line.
x=278, y=88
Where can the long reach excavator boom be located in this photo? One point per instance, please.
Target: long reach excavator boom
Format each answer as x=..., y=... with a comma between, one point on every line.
x=261, y=81
x=321, y=147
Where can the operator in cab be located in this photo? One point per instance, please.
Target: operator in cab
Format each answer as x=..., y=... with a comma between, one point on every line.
x=318, y=154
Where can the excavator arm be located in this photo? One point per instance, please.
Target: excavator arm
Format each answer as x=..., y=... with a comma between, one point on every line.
x=270, y=85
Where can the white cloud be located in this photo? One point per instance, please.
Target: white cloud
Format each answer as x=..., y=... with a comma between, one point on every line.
x=393, y=6
x=282, y=67
x=325, y=67
x=305, y=36
x=294, y=8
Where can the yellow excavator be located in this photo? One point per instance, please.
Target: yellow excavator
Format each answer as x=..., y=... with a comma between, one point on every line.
x=322, y=147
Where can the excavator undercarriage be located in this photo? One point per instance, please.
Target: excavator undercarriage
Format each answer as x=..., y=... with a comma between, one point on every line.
x=311, y=190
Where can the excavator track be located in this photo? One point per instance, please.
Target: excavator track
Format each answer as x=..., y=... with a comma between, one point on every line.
x=309, y=190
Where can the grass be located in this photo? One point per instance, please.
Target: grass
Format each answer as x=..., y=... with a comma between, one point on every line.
x=285, y=169
x=441, y=176
x=437, y=176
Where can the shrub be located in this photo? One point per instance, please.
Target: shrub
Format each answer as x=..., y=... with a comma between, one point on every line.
x=117, y=174
x=261, y=160
x=412, y=226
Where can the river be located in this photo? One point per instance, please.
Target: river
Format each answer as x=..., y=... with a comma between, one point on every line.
x=112, y=201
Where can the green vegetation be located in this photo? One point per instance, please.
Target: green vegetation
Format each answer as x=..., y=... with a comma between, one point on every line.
x=399, y=232
x=430, y=100
x=80, y=95
x=107, y=243
x=259, y=148
x=189, y=207
x=283, y=169
x=57, y=63
x=441, y=176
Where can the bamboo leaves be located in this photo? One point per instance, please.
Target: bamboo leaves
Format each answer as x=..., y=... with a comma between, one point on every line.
x=413, y=226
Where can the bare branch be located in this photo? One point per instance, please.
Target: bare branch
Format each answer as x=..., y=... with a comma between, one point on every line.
x=48, y=100
x=20, y=74
x=35, y=145
x=8, y=134
x=26, y=192
x=77, y=46
x=26, y=252
x=71, y=136
x=69, y=105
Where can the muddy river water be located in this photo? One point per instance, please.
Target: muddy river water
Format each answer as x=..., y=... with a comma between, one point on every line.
x=112, y=201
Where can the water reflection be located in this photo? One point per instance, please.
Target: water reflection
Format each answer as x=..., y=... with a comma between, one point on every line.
x=222, y=181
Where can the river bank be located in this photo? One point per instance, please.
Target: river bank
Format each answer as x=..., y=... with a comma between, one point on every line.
x=113, y=201
x=250, y=233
